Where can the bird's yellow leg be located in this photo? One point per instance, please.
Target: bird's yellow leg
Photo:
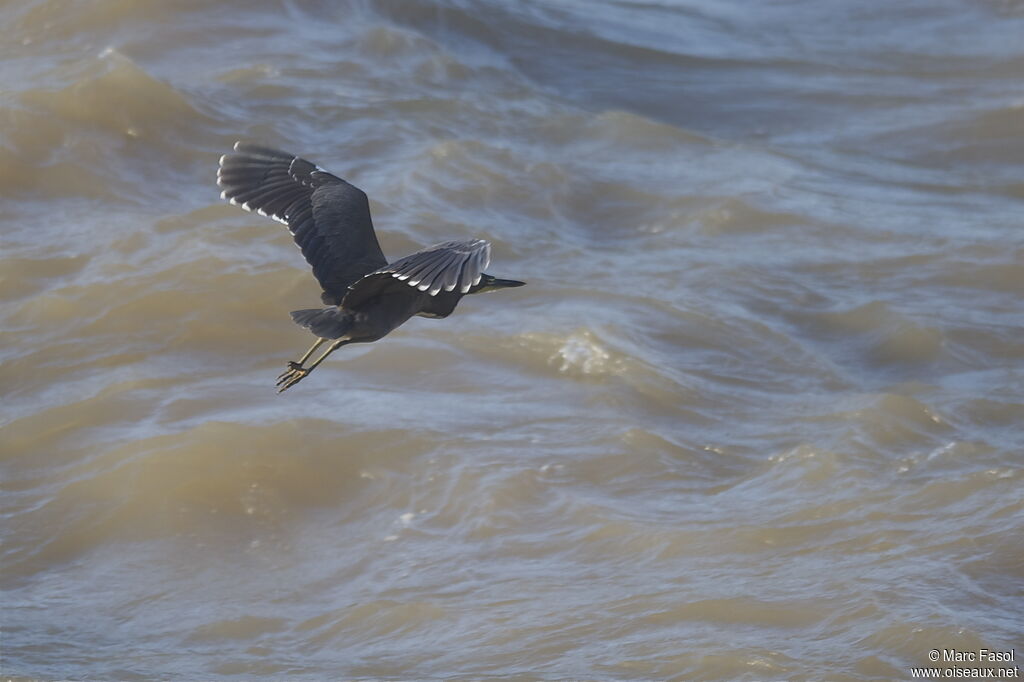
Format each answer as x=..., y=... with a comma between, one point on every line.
x=297, y=374
x=293, y=365
x=319, y=342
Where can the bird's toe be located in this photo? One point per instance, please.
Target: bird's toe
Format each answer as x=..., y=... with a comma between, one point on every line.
x=292, y=367
x=290, y=378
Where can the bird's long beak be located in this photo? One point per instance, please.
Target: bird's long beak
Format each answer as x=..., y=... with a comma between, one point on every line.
x=494, y=283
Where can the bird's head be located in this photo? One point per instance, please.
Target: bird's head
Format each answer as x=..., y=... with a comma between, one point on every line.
x=489, y=283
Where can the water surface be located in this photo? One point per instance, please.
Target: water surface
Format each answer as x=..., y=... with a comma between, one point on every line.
x=757, y=414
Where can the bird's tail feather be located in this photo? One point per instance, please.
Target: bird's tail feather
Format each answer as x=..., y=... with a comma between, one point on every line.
x=327, y=323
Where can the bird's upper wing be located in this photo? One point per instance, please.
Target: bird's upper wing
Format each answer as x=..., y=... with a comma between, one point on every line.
x=447, y=266
x=328, y=217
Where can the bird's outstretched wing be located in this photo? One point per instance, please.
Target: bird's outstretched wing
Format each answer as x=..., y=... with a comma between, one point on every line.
x=328, y=217
x=442, y=267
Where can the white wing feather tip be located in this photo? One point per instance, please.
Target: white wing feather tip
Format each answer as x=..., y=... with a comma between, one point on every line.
x=458, y=268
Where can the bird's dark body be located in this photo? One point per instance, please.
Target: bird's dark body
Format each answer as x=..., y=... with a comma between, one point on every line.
x=376, y=317
x=366, y=297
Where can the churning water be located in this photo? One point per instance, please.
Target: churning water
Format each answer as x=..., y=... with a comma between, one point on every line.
x=757, y=414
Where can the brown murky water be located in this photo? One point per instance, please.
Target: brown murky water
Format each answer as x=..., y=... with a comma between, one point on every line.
x=757, y=415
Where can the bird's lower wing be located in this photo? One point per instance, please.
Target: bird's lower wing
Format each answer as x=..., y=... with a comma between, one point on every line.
x=443, y=267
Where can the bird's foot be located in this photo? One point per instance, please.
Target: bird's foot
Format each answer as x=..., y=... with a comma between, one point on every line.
x=293, y=375
x=292, y=366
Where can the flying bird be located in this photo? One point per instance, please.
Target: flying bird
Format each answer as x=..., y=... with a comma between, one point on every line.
x=366, y=297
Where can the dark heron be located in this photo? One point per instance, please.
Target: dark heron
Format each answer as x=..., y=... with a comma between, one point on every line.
x=367, y=297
